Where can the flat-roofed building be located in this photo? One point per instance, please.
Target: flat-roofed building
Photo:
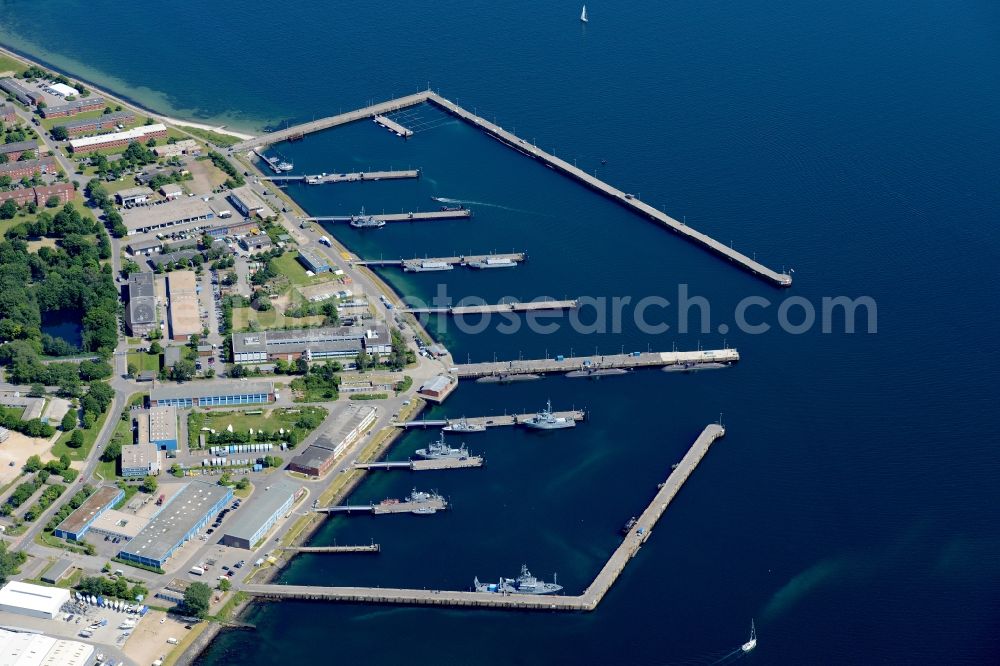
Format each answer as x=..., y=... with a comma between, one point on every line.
x=182, y=147
x=182, y=292
x=190, y=211
x=212, y=394
x=163, y=427
x=139, y=246
x=314, y=260
x=15, y=149
x=134, y=195
x=102, y=122
x=309, y=343
x=317, y=459
x=246, y=201
x=89, y=144
x=140, y=460
x=172, y=191
x=32, y=600
x=257, y=517
x=22, y=648
x=184, y=514
x=140, y=315
x=74, y=107
x=76, y=524
x=256, y=243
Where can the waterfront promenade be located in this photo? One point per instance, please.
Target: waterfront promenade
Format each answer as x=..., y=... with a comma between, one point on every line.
x=588, y=600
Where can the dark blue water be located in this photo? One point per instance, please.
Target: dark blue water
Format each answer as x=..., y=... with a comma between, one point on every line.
x=852, y=506
x=64, y=324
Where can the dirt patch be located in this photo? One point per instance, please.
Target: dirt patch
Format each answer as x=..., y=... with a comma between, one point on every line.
x=18, y=448
x=149, y=640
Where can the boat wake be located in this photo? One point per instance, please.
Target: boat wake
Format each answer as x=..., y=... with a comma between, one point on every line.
x=466, y=202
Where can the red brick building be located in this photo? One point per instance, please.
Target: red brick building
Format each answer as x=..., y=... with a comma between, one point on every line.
x=64, y=191
x=73, y=108
x=117, y=139
x=14, y=150
x=28, y=168
x=7, y=113
x=21, y=196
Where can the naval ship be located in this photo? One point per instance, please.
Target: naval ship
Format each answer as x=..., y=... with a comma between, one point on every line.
x=439, y=450
x=523, y=584
x=546, y=420
x=463, y=426
x=363, y=221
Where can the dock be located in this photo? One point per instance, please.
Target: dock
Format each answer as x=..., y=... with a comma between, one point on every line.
x=511, y=306
x=371, y=548
x=591, y=597
x=490, y=421
x=569, y=364
x=431, y=505
x=353, y=177
x=400, y=217
x=393, y=126
x=418, y=264
x=628, y=200
x=425, y=465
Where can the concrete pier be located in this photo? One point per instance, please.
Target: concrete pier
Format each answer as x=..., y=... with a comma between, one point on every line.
x=431, y=505
x=414, y=265
x=371, y=548
x=425, y=465
x=530, y=306
x=353, y=177
x=626, y=199
x=490, y=421
x=400, y=217
x=587, y=601
x=568, y=364
x=393, y=126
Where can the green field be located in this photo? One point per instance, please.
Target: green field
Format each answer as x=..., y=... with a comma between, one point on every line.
x=8, y=64
x=144, y=361
x=218, y=139
x=15, y=412
x=89, y=437
x=289, y=266
x=270, y=419
x=272, y=319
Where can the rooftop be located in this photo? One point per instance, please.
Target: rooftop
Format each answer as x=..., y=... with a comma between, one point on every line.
x=210, y=389
x=260, y=508
x=314, y=456
x=182, y=512
x=139, y=456
x=17, y=147
x=106, y=118
x=162, y=423
x=345, y=427
x=135, y=134
x=74, y=105
x=167, y=213
x=135, y=192
x=85, y=513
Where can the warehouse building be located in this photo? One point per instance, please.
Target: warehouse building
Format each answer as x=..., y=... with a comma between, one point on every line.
x=161, y=428
x=257, y=518
x=103, y=122
x=308, y=343
x=142, y=134
x=246, y=201
x=15, y=149
x=316, y=460
x=140, y=460
x=180, y=519
x=81, y=105
x=27, y=648
x=22, y=94
x=32, y=600
x=171, y=191
x=141, y=246
x=76, y=524
x=212, y=394
x=185, y=211
x=134, y=195
x=183, y=295
x=141, y=312
x=314, y=261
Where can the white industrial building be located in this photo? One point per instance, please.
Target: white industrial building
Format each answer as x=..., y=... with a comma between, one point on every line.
x=29, y=649
x=33, y=600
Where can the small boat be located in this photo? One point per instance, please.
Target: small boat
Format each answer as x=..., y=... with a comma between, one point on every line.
x=752, y=643
x=583, y=15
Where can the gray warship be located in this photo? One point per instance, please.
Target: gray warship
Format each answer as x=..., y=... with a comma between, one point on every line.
x=546, y=420
x=439, y=450
x=463, y=426
x=523, y=584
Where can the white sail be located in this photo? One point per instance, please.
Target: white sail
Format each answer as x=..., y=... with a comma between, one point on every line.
x=583, y=14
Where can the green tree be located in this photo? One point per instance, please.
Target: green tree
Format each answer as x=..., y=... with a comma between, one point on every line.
x=32, y=464
x=224, y=584
x=68, y=420
x=148, y=485
x=75, y=440
x=155, y=348
x=196, y=599
x=10, y=562
x=8, y=210
x=243, y=484
x=59, y=133
x=183, y=370
x=112, y=450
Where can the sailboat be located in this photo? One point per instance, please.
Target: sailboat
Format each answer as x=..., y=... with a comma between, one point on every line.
x=752, y=643
x=583, y=14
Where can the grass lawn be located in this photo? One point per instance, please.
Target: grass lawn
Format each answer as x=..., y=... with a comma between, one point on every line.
x=89, y=437
x=272, y=319
x=224, y=140
x=243, y=494
x=8, y=64
x=289, y=266
x=130, y=492
x=144, y=361
x=12, y=412
x=270, y=420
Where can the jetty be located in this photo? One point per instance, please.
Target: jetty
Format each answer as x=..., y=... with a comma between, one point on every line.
x=490, y=421
x=371, y=548
x=431, y=504
x=418, y=264
x=625, y=199
x=635, y=537
x=353, y=177
x=399, y=217
x=510, y=306
x=690, y=359
x=425, y=465
x=393, y=126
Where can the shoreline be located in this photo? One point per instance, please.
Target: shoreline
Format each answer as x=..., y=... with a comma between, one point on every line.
x=8, y=50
